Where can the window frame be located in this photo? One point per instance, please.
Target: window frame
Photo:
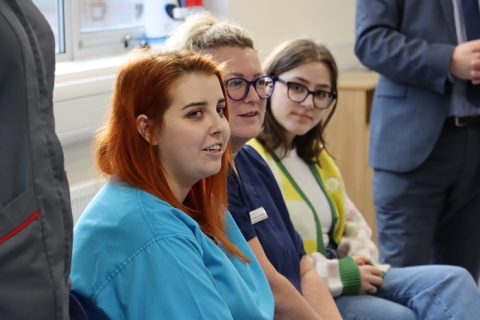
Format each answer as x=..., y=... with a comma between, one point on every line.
x=67, y=31
x=99, y=43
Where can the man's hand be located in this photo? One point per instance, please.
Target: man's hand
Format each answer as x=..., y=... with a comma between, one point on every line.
x=476, y=66
x=465, y=61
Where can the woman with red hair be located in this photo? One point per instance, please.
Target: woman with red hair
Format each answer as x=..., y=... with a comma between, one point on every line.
x=157, y=241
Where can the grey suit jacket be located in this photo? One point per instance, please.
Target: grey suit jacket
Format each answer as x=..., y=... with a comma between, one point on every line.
x=410, y=43
x=35, y=214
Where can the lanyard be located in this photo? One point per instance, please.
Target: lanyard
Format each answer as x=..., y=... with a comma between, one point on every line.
x=318, y=225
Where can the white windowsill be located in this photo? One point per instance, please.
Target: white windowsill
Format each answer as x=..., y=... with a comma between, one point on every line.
x=78, y=70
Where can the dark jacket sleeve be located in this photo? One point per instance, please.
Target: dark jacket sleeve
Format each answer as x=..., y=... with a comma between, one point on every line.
x=406, y=41
x=35, y=215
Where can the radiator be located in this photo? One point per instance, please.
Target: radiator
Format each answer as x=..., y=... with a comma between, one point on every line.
x=81, y=194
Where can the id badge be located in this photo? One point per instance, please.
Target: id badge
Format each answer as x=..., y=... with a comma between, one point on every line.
x=258, y=215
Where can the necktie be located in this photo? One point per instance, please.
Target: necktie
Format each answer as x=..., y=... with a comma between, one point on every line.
x=471, y=17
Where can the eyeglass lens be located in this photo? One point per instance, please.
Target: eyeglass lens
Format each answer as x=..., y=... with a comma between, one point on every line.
x=298, y=93
x=238, y=88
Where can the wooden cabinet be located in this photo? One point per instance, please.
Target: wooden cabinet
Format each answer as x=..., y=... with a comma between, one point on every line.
x=347, y=137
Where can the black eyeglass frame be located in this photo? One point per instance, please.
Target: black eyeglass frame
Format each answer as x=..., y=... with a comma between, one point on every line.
x=254, y=82
x=332, y=95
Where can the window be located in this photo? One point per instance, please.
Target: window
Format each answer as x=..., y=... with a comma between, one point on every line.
x=92, y=28
x=86, y=29
x=54, y=13
x=102, y=15
x=106, y=27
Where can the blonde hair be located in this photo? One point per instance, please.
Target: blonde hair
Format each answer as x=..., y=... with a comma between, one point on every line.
x=202, y=31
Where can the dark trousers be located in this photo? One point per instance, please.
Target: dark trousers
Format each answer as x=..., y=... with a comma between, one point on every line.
x=432, y=214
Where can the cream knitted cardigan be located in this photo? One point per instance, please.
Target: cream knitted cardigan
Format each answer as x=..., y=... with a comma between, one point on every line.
x=351, y=232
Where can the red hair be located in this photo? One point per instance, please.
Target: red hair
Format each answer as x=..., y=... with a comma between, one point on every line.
x=144, y=85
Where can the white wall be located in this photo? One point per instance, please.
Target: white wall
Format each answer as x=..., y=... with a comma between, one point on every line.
x=80, y=98
x=272, y=22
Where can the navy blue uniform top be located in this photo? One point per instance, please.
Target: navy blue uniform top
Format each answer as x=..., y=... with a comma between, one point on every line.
x=258, y=188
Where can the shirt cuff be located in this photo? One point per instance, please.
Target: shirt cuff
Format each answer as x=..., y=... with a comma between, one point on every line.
x=350, y=276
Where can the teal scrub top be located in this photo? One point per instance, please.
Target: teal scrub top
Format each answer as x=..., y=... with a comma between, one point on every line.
x=137, y=257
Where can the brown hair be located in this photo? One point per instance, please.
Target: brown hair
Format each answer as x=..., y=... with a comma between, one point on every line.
x=144, y=85
x=287, y=56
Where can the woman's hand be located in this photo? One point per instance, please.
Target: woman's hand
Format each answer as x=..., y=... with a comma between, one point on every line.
x=361, y=260
x=371, y=278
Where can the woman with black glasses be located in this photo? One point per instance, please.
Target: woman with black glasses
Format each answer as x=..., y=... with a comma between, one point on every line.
x=334, y=232
x=270, y=234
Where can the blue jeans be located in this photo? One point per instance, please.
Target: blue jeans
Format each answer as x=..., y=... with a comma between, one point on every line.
x=423, y=292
